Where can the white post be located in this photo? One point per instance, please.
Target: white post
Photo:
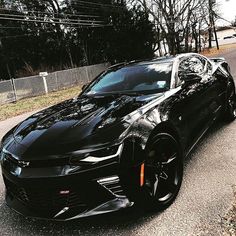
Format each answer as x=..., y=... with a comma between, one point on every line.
x=44, y=75
x=14, y=88
x=87, y=74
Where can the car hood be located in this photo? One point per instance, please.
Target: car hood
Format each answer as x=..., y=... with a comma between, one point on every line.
x=76, y=124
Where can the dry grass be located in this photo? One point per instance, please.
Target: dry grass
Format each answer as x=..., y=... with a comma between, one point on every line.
x=36, y=103
x=213, y=51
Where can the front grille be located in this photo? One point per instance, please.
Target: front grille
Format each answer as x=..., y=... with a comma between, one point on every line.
x=49, y=162
x=46, y=199
x=35, y=163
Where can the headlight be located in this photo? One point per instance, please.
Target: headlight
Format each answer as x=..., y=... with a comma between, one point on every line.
x=109, y=153
x=3, y=155
x=6, y=139
x=1, y=147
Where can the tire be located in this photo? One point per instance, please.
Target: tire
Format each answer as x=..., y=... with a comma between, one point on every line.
x=163, y=172
x=230, y=105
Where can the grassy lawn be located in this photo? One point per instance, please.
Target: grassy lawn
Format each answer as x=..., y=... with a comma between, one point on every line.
x=36, y=103
x=214, y=52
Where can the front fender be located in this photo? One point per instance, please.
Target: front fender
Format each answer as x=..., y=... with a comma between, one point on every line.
x=145, y=128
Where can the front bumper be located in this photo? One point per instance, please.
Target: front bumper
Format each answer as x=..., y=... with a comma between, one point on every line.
x=84, y=194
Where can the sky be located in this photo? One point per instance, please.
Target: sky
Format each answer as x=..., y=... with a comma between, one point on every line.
x=227, y=8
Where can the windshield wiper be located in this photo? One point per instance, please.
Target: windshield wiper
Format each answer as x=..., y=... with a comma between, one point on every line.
x=114, y=94
x=133, y=93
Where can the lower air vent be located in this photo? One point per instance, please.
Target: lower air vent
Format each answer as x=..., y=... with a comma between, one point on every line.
x=45, y=199
x=112, y=184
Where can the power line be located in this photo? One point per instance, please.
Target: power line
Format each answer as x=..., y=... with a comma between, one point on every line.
x=52, y=22
x=54, y=18
x=35, y=34
x=54, y=13
x=28, y=18
x=222, y=18
x=97, y=4
x=74, y=27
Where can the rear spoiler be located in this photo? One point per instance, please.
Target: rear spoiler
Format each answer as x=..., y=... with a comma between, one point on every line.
x=221, y=61
x=217, y=59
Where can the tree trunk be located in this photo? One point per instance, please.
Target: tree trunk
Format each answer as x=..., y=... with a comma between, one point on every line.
x=210, y=37
x=177, y=43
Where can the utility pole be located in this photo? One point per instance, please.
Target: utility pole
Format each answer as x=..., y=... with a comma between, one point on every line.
x=216, y=39
x=212, y=25
x=210, y=22
x=199, y=37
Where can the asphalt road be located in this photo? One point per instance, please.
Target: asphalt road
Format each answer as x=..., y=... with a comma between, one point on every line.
x=205, y=196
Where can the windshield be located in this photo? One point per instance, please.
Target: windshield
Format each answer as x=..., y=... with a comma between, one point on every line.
x=138, y=78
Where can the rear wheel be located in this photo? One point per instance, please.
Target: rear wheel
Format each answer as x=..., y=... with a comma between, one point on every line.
x=230, y=106
x=163, y=171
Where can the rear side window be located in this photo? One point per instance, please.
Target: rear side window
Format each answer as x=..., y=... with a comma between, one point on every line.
x=208, y=68
x=191, y=65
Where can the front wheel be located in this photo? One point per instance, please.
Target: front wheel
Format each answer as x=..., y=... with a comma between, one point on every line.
x=163, y=171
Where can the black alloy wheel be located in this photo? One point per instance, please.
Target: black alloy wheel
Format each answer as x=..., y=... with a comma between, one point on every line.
x=163, y=171
x=230, y=108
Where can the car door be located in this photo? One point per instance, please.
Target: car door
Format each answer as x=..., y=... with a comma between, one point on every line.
x=217, y=82
x=190, y=111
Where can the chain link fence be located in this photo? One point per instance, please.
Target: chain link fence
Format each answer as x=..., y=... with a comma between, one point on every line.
x=12, y=90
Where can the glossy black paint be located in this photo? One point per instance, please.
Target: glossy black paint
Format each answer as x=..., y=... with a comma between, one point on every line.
x=39, y=155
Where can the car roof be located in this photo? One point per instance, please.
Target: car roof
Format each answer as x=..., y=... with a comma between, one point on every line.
x=141, y=62
x=166, y=59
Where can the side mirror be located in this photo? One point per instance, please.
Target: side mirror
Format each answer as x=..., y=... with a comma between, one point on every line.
x=190, y=78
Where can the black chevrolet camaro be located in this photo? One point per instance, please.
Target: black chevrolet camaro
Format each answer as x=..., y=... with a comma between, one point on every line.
x=121, y=142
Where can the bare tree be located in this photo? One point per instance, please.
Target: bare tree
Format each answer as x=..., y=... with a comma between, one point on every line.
x=178, y=21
